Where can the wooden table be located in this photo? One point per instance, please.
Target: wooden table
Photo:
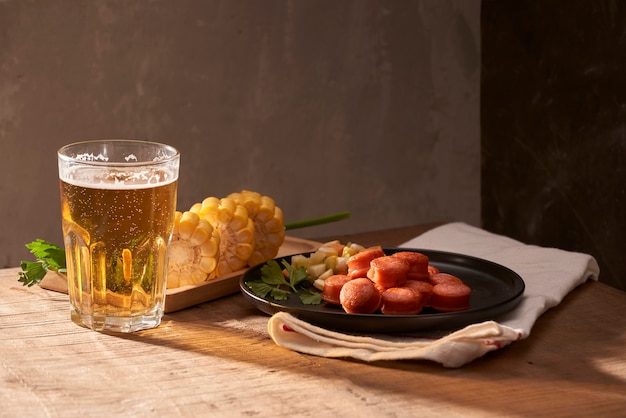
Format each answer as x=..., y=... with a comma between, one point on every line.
x=216, y=359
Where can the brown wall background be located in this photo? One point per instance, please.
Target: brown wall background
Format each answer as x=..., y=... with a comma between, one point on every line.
x=367, y=106
x=376, y=107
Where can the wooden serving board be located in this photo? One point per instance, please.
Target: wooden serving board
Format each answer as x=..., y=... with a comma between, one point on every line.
x=186, y=296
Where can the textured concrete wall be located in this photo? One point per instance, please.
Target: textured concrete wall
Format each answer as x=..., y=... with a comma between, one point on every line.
x=366, y=106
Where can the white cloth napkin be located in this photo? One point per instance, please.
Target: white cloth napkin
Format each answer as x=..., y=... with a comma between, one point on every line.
x=549, y=274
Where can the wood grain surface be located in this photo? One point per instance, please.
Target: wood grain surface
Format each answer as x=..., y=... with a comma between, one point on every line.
x=216, y=359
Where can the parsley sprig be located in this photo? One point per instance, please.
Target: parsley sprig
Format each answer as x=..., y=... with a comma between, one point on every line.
x=273, y=283
x=49, y=257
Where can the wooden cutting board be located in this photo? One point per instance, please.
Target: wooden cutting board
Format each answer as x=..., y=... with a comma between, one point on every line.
x=186, y=296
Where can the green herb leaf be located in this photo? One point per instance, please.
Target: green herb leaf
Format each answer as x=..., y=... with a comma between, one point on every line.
x=53, y=255
x=274, y=284
x=259, y=288
x=279, y=294
x=32, y=272
x=311, y=298
x=49, y=257
x=271, y=273
x=296, y=276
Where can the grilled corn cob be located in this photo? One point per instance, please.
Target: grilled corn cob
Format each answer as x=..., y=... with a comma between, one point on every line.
x=220, y=236
x=235, y=229
x=193, y=250
x=269, y=229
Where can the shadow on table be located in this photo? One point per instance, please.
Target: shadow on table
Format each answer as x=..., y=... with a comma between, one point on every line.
x=540, y=367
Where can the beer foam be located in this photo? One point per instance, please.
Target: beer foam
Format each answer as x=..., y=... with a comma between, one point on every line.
x=136, y=178
x=89, y=156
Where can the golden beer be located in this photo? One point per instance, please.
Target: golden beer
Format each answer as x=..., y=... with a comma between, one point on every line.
x=117, y=224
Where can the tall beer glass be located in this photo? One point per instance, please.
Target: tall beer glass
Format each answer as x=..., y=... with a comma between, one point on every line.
x=118, y=200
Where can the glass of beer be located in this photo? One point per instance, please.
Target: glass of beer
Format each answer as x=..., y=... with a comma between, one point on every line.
x=118, y=201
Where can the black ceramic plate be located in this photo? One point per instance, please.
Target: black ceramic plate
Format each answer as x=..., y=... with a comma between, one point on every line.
x=495, y=290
